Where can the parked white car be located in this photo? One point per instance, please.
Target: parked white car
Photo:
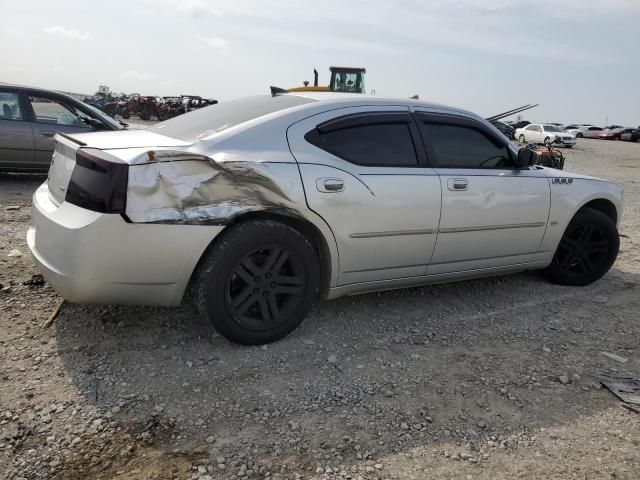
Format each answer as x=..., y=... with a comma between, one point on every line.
x=585, y=131
x=261, y=205
x=544, y=133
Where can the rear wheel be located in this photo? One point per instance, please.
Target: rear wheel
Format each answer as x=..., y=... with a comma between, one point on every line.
x=586, y=251
x=258, y=282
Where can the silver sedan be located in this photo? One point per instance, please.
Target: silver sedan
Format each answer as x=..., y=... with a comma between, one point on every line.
x=261, y=205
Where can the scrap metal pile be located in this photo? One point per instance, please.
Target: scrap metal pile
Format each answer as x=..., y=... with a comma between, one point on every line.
x=146, y=107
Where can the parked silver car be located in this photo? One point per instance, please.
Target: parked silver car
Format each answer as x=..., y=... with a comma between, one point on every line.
x=263, y=204
x=30, y=117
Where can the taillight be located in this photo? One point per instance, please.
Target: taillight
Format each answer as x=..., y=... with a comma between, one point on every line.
x=98, y=182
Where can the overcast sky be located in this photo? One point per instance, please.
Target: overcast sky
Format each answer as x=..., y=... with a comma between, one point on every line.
x=580, y=59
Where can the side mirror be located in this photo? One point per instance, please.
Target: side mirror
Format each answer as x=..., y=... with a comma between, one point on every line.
x=95, y=123
x=525, y=158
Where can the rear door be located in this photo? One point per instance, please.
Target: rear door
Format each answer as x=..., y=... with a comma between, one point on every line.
x=51, y=114
x=16, y=134
x=364, y=172
x=492, y=214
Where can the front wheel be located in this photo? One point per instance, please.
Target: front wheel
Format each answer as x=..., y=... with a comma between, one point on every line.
x=521, y=139
x=579, y=135
x=547, y=142
x=586, y=251
x=258, y=282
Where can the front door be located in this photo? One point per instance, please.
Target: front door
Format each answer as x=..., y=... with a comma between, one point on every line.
x=364, y=174
x=51, y=115
x=16, y=135
x=492, y=214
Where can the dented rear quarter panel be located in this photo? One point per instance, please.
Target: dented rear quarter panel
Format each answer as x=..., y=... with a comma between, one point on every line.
x=217, y=180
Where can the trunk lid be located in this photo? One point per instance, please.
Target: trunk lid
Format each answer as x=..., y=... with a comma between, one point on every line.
x=124, y=144
x=62, y=164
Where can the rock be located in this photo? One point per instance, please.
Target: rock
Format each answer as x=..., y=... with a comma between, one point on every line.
x=210, y=439
x=9, y=208
x=465, y=456
x=563, y=379
x=613, y=356
x=332, y=358
x=600, y=299
x=546, y=349
x=15, y=253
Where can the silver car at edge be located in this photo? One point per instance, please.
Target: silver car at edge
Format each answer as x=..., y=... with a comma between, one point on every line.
x=261, y=205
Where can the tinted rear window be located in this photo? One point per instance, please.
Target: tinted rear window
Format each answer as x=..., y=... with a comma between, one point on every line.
x=201, y=123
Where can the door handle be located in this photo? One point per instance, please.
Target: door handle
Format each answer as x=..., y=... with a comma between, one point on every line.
x=457, y=184
x=330, y=185
x=47, y=133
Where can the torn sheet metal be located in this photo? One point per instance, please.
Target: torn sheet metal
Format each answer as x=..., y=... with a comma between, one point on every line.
x=626, y=389
x=179, y=187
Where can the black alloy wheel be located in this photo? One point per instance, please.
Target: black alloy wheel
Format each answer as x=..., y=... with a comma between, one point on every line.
x=265, y=287
x=257, y=281
x=587, y=249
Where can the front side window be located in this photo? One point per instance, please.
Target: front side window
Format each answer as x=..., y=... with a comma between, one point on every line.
x=551, y=128
x=369, y=144
x=53, y=111
x=10, y=105
x=458, y=146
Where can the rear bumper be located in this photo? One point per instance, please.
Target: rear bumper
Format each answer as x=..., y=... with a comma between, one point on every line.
x=91, y=257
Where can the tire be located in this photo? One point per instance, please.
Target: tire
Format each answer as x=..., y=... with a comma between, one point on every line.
x=579, y=135
x=586, y=251
x=547, y=142
x=521, y=139
x=244, y=299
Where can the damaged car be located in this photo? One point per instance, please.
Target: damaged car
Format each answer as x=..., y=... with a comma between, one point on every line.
x=260, y=206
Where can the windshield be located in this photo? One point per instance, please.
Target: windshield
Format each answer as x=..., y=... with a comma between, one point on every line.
x=204, y=122
x=551, y=128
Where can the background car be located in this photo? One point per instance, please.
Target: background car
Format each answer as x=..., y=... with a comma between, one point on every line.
x=261, y=205
x=507, y=130
x=630, y=135
x=584, y=131
x=520, y=124
x=546, y=134
x=30, y=117
x=611, y=133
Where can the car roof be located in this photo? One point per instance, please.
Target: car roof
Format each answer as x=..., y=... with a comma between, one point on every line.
x=36, y=89
x=362, y=99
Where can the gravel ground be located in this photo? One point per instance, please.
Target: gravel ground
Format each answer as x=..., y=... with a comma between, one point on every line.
x=493, y=378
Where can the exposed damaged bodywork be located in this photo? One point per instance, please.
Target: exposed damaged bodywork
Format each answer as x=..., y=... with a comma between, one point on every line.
x=177, y=187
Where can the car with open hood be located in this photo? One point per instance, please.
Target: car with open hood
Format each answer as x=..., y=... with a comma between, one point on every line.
x=259, y=206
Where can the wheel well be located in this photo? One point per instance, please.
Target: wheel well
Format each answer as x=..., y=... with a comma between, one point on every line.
x=301, y=225
x=603, y=206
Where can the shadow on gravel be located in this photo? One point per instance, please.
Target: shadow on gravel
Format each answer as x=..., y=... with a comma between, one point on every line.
x=364, y=376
